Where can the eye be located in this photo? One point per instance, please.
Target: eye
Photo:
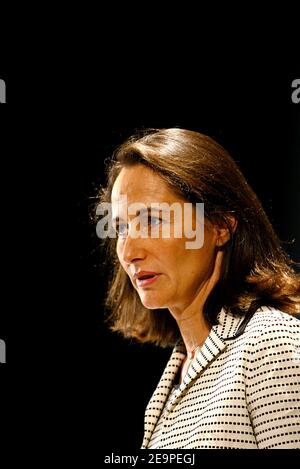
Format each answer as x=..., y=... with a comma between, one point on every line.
x=121, y=229
x=154, y=221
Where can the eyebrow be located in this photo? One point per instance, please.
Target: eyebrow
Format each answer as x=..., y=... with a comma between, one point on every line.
x=142, y=211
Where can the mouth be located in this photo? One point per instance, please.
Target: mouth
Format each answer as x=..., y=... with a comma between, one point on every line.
x=145, y=278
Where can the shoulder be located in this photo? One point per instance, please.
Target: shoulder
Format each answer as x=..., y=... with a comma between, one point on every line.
x=268, y=320
x=271, y=331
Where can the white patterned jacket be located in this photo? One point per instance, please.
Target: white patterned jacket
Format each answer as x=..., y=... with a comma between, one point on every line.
x=241, y=390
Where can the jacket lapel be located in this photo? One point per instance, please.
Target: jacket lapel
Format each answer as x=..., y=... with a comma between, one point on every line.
x=160, y=395
x=215, y=343
x=212, y=347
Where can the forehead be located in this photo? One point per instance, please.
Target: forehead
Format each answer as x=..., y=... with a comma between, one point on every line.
x=141, y=184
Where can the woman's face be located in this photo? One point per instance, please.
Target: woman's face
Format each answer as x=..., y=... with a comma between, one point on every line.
x=181, y=272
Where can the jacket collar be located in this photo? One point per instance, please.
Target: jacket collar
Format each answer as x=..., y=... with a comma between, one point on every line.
x=214, y=344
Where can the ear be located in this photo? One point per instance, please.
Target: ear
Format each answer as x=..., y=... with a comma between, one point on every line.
x=223, y=232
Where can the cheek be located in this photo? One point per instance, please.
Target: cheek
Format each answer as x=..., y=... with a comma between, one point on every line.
x=118, y=252
x=172, y=254
x=193, y=260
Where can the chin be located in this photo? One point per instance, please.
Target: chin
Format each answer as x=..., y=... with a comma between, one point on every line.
x=152, y=304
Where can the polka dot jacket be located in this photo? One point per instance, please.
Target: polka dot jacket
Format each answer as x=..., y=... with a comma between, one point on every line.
x=242, y=390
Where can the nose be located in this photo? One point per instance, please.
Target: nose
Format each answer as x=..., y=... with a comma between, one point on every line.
x=132, y=250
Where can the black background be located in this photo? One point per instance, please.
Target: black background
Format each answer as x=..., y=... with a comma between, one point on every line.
x=66, y=371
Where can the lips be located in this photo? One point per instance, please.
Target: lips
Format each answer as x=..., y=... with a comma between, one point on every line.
x=144, y=278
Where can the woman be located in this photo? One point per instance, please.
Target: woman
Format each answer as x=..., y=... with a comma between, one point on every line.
x=227, y=307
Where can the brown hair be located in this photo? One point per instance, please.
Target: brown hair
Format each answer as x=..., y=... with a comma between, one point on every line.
x=255, y=271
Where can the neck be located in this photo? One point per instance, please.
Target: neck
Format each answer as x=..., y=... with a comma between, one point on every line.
x=194, y=330
x=193, y=327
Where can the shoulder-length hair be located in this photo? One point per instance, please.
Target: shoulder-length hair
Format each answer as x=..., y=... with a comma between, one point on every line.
x=255, y=270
